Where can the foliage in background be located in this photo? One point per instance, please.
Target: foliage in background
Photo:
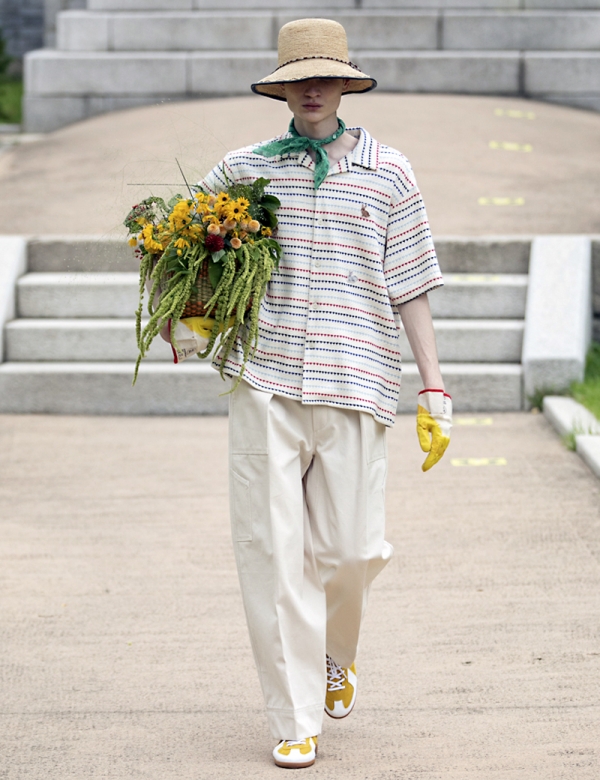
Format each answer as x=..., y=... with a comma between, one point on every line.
x=588, y=391
x=11, y=90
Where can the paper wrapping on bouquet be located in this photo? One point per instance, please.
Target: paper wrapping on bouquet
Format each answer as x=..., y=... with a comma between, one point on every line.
x=190, y=336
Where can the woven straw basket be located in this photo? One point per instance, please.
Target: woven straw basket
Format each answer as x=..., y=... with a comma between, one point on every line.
x=204, y=292
x=195, y=305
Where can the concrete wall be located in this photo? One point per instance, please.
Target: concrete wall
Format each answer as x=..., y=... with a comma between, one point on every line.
x=22, y=24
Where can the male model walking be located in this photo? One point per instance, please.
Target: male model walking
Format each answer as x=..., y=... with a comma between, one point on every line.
x=308, y=423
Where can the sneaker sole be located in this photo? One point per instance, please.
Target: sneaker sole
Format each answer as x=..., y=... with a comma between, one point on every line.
x=340, y=717
x=294, y=766
x=297, y=766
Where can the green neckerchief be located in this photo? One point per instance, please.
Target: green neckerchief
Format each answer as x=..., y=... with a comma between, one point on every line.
x=298, y=143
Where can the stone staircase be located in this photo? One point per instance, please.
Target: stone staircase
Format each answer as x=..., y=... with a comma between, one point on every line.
x=71, y=347
x=123, y=53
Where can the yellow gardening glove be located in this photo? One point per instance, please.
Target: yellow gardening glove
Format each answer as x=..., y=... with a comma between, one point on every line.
x=434, y=421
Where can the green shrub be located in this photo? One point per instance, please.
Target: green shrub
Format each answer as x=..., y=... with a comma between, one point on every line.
x=588, y=391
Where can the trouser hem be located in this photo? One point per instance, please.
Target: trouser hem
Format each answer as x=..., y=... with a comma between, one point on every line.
x=296, y=724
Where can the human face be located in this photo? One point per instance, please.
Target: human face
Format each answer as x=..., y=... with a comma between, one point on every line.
x=314, y=104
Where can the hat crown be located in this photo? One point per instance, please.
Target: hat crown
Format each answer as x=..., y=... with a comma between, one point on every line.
x=312, y=38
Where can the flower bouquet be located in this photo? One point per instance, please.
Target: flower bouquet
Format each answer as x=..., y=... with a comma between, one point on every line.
x=206, y=261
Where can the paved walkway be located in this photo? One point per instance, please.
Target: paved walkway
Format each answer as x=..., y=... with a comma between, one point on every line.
x=486, y=165
x=124, y=652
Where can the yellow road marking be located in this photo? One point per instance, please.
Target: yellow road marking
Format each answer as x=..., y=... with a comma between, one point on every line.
x=478, y=462
x=514, y=113
x=473, y=421
x=510, y=146
x=505, y=201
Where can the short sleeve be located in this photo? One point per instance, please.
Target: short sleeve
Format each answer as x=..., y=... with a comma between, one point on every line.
x=410, y=265
x=215, y=181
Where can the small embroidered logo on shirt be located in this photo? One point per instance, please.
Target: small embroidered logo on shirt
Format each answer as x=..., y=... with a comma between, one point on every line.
x=352, y=276
x=364, y=211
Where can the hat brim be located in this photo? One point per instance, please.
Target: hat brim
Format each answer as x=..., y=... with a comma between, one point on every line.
x=304, y=70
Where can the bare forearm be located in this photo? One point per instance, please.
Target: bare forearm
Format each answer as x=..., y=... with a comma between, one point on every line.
x=416, y=318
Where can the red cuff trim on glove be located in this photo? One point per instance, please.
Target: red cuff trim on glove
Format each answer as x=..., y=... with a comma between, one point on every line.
x=431, y=390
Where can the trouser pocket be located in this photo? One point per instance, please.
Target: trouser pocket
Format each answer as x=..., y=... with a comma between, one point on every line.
x=241, y=507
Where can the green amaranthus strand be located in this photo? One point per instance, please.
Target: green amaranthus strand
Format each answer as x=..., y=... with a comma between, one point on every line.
x=246, y=273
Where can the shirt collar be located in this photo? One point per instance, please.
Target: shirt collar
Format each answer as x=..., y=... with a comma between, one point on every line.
x=365, y=154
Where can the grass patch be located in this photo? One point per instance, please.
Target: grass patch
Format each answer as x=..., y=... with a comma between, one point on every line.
x=587, y=392
x=11, y=92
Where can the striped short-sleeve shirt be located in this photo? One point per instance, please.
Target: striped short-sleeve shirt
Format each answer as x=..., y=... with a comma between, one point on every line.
x=353, y=251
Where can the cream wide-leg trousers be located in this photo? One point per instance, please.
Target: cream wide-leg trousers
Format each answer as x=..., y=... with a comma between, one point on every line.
x=307, y=514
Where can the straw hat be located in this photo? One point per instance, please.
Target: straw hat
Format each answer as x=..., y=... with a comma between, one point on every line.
x=309, y=49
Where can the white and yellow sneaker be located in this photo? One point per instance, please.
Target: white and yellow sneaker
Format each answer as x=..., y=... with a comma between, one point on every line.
x=296, y=753
x=341, y=689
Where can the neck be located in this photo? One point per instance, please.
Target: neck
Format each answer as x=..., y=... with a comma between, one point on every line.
x=316, y=130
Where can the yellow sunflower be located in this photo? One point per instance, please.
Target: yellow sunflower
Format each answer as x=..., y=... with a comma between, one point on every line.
x=150, y=244
x=233, y=211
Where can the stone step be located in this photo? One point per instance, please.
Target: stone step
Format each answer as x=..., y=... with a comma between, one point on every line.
x=63, y=87
x=189, y=5
x=366, y=29
x=75, y=254
x=29, y=340
x=89, y=295
x=194, y=388
x=86, y=295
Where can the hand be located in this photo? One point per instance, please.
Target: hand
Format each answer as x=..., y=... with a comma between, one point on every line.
x=434, y=421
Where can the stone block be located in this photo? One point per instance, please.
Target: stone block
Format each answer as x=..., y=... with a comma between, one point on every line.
x=140, y=5
x=75, y=254
x=441, y=5
x=236, y=70
x=45, y=114
x=78, y=340
x=210, y=5
x=440, y=71
x=476, y=341
x=177, y=31
x=13, y=264
x=105, y=388
x=524, y=30
x=271, y=4
x=85, y=295
x=558, y=314
x=52, y=8
x=565, y=5
x=99, y=73
x=474, y=387
x=588, y=448
x=596, y=276
x=490, y=255
x=82, y=31
x=379, y=29
x=568, y=73
x=480, y=296
x=567, y=416
x=588, y=102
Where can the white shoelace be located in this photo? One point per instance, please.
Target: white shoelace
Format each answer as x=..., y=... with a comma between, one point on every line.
x=294, y=742
x=335, y=676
